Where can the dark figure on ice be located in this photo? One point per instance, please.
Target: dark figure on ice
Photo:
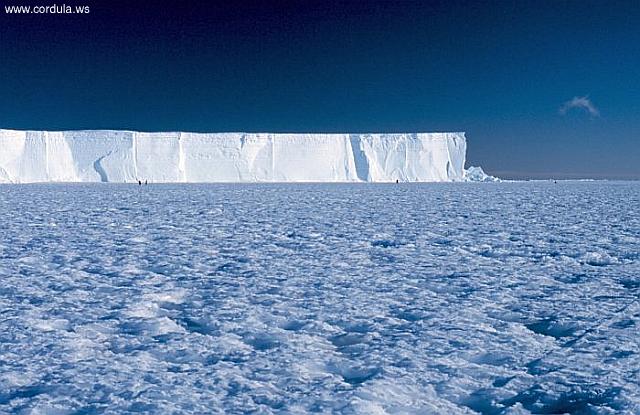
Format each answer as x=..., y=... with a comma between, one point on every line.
x=397, y=181
x=145, y=183
x=139, y=182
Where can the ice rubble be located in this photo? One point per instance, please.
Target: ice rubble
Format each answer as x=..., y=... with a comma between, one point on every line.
x=126, y=156
x=476, y=174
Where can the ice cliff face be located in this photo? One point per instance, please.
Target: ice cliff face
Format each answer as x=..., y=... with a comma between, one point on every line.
x=126, y=156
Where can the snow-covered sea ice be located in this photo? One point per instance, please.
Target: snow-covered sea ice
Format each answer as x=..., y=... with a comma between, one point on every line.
x=333, y=298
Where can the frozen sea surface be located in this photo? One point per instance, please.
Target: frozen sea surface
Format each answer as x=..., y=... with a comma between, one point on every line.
x=434, y=298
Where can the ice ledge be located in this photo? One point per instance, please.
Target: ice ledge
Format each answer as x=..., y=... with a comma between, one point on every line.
x=128, y=156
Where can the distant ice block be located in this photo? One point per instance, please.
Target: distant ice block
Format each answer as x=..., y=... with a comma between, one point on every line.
x=476, y=174
x=126, y=156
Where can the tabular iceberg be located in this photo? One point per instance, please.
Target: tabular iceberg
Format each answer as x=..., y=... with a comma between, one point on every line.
x=126, y=156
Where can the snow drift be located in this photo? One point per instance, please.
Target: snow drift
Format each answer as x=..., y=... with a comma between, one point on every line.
x=126, y=156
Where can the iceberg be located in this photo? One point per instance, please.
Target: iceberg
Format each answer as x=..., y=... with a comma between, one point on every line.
x=184, y=157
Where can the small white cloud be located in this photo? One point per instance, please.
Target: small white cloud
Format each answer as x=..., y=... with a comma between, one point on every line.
x=580, y=103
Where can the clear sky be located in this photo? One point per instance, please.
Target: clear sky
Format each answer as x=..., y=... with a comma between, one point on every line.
x=542, y=88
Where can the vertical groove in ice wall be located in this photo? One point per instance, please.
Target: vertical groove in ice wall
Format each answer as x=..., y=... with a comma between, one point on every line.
x=46, y=152
x=360, y=161
x=134, y=145
x=125, y=156
x=181, y=169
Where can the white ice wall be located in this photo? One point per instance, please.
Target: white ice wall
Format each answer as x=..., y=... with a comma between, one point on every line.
x=126, y=156
x=157, y=157
x=11, y=151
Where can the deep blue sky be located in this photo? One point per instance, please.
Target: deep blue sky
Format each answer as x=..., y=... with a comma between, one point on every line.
x=500, y=71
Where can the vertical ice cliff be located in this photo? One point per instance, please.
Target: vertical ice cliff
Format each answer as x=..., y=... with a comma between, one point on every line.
x=126, y=156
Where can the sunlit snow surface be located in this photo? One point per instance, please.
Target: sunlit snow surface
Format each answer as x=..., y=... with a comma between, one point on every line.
x=432, y=298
